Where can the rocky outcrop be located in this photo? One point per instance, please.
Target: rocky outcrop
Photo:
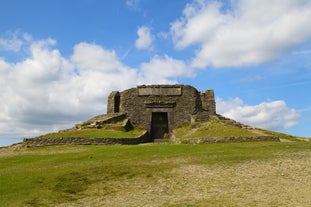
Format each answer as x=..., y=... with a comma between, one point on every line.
x=106, y=121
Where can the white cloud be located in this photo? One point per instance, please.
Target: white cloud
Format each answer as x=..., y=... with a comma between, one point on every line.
x=145, y=39
x=273, y=115
x=251, y=32
x=14, y=41
x=46, y=92
x=133, y=4
x=12, y=44
x=159, y=69
x=93, y=57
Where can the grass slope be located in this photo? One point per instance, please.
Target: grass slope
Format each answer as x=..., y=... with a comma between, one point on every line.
x=214, y=128
x=150, y=175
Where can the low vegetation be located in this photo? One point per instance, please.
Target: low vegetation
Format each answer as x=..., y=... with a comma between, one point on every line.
x=235, y=174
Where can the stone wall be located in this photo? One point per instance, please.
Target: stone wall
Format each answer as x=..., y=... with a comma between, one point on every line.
x=208, y=101
x=85, y=141
x=145, y=138
x=227, y=139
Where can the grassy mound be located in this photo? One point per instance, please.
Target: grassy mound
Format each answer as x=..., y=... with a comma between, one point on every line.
x=214, y=128
x=235, y=174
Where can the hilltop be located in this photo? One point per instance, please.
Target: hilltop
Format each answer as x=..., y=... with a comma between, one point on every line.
x=159, y=113
x=261, y=173
x=223, y=174
x=117, y=129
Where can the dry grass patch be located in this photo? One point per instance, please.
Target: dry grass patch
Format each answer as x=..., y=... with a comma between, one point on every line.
x=283, y=181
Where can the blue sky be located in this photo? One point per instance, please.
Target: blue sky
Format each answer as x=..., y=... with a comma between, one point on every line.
x=60, y=59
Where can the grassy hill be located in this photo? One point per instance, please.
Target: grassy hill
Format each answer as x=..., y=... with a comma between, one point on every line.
x=232, y=174
x=223, y=174
x=213, y=128
x=217, y=129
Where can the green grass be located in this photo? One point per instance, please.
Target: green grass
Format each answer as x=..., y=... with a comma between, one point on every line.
x=96, y=133
x=213, y=128
x=43, y=176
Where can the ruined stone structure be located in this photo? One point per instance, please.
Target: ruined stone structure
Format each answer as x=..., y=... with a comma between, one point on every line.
x=160, y=108
x=157, y=109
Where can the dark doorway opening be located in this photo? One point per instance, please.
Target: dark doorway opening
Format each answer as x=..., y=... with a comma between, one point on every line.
x=117, y=103
x=159, y=124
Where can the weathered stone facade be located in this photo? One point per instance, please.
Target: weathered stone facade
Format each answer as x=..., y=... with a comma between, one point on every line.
x=160, y=108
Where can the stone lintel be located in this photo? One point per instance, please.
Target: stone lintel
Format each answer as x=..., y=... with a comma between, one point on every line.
x=159, y=90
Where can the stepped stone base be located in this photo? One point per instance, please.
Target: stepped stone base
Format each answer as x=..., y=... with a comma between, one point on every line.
x=232, y=122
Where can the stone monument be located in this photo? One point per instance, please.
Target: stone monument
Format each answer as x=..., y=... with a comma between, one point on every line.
x=160, y=108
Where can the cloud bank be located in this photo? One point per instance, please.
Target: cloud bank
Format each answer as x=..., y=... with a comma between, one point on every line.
x=273, y=115
x=47, y=92
x=250, y=32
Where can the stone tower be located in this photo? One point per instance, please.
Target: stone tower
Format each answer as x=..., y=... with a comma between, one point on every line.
x=208, y=101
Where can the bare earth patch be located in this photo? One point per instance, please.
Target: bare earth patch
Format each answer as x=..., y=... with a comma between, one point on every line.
x=285, y=181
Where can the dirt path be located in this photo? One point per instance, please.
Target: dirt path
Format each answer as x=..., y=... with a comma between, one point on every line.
x=285, y=181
